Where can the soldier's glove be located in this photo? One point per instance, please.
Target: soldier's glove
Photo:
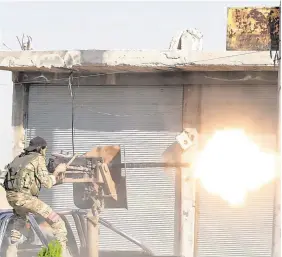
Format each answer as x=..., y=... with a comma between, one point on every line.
x=60, y=178
x=59, y=173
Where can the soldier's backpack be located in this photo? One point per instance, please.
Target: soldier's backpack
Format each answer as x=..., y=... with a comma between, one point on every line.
x=15, y=171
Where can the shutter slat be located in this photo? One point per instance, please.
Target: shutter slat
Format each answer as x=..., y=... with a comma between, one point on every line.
x=144, y=121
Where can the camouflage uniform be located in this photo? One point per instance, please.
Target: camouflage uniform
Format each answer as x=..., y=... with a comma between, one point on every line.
x=24, y=199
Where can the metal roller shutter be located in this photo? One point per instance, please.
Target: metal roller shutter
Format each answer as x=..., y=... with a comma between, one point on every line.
x=223, y=230
x=144, y=121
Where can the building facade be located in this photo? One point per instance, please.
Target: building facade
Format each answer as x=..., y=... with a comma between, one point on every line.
x=142, y=109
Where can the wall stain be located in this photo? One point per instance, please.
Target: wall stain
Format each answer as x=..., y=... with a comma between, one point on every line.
x=253, y=29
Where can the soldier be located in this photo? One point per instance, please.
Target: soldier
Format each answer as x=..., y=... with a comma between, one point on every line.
x=26, y=174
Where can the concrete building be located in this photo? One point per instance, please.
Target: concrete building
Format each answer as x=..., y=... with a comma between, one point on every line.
x=142, y=100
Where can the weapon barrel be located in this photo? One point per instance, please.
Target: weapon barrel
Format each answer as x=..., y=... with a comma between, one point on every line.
x=137, y=165
x=81, y=161
x=151, y=165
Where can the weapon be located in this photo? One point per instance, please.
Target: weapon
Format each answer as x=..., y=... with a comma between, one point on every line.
x=62, y=174
x=97, y=177
x=92, y=178
x=71, y=160
x=98, y=181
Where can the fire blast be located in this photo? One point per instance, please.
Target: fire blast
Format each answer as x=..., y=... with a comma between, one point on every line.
x=231, y=165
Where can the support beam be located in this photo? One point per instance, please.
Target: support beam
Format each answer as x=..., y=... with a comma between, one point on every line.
x=92, y=236
x=156, y=78
x=191, y=119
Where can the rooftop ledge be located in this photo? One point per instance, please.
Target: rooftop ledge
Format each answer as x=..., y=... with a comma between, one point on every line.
x=96, y=61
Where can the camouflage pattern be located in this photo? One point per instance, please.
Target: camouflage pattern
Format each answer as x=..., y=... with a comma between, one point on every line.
x=43, y=177
x=23, y=204
x=24, y=200
x=30, y=178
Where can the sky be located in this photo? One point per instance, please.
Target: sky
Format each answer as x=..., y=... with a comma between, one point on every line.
x=115, y=25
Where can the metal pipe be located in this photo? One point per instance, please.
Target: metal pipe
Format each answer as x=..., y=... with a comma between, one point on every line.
x=73, y=247
x=37, y=230
x=5, y=219
x=129, y=238
x=118, y=231
x=82, y=216
x=92, y=230
x=79, y=229
x=150, y=165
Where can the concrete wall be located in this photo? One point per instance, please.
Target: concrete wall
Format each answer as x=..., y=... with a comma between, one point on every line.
x=6, y=96
x=6, y=130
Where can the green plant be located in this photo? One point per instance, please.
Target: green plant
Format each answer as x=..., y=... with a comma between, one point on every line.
x=54, y=249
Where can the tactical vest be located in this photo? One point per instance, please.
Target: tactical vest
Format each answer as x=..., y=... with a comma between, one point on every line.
x=18, y=177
